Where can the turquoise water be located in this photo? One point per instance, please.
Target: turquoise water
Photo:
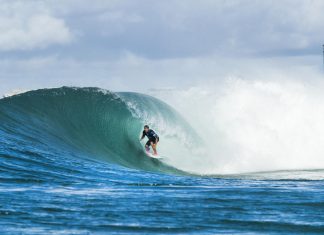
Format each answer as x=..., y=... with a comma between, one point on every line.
x=72, y=163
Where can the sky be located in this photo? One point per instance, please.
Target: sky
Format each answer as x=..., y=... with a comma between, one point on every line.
x=140, y=45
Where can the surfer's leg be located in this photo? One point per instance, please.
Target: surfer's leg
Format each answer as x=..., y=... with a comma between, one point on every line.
x=147, y=146
x=154, y=148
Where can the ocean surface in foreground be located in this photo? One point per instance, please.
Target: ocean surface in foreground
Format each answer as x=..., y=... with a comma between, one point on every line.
x=61, y=172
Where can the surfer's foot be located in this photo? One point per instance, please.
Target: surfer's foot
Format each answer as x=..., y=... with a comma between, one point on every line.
x=155, y=154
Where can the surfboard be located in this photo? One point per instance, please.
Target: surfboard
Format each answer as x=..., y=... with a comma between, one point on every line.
x=149, y=154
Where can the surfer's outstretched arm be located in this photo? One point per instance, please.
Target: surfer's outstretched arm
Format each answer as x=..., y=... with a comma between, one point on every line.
x=143, y=135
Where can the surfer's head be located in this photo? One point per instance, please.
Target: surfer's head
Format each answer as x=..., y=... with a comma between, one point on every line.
x=146, y=128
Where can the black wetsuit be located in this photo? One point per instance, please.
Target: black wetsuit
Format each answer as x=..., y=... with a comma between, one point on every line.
x=152, y=136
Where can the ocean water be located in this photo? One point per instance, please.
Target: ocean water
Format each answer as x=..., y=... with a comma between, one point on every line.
x=72, y=163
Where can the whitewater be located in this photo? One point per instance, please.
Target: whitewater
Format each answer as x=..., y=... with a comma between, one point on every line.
x=240, y=157
x=254, y=125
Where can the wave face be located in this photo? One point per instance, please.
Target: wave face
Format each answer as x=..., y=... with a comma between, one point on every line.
x=93, y=123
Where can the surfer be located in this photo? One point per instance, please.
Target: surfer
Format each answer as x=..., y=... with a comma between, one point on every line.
x=153, y=139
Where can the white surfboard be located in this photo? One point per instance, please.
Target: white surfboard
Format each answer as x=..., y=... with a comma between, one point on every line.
x=151, y=155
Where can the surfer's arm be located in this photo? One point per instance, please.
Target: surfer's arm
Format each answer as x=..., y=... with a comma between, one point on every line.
x=143, y=135
x=156, y=137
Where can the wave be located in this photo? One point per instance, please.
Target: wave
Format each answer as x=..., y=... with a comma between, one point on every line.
x=105, y=126
x=94, y=123
x=254, y=125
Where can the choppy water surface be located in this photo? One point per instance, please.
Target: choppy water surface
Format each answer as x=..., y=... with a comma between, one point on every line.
x=66, y=168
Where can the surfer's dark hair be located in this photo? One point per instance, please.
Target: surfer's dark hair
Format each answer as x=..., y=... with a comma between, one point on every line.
x=146, y=126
